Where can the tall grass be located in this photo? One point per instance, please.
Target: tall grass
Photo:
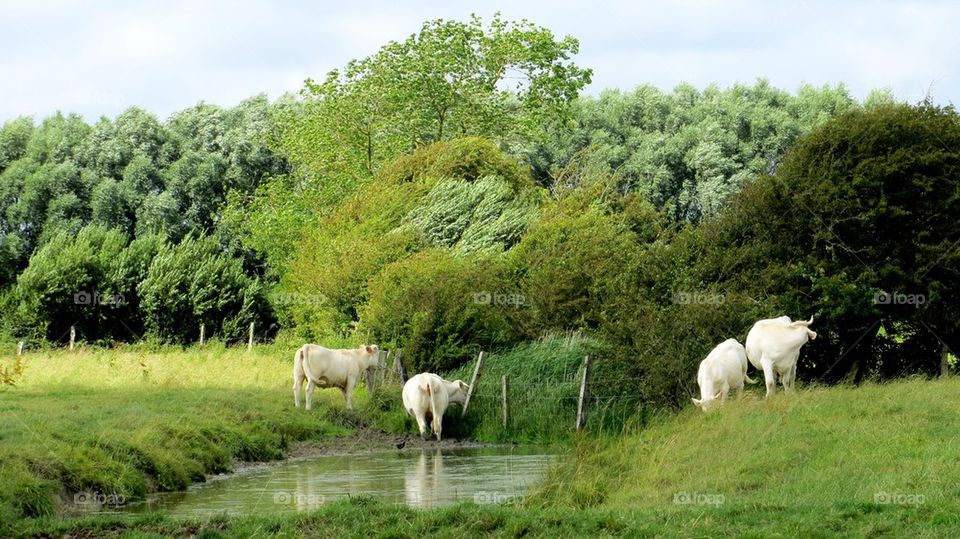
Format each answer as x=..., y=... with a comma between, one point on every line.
x=544, y=384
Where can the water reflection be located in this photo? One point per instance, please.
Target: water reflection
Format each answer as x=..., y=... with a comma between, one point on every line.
x=418, y=478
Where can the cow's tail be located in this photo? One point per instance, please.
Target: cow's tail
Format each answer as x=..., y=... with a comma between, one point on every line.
x=802, y=323
x=305, y=365
x=748, y=379
x=432, y=397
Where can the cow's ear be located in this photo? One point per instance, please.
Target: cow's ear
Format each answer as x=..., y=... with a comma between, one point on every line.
x=368, y=348
x=463, y=385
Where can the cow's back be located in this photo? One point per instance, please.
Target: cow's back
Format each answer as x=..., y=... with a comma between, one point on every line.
x=775, y=338
x=727, y=361
x=327, y=364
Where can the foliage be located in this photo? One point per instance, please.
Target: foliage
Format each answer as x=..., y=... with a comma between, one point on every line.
x=440, y=308
x=193, y=283
x=399, y=214
x=688, y=151
x=451, y=79
x=64, y=286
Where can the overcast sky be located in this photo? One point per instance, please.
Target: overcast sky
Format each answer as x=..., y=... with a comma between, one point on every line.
x=98, y=58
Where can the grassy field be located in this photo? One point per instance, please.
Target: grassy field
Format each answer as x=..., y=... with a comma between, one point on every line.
x=876, y=460
x=130, y=421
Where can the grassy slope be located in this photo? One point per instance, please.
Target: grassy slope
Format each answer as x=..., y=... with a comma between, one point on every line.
x=128, y=422
x=820, y=459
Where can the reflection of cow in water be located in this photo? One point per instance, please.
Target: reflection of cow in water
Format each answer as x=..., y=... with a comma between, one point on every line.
x=424, y=481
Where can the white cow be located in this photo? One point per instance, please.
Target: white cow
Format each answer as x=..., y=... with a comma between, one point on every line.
x=322, y=367
x=724, y=368
x=773, y=346
x=426, y=397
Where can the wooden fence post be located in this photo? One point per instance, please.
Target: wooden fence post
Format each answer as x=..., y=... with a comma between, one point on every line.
x=203, y=329
x=473, y=383
x=73, y=336
x=503, y=390
x=582, y=401
x=401, y=370
x=382, y=373
x=369, y=376
x=19, y=348
x=250, y=338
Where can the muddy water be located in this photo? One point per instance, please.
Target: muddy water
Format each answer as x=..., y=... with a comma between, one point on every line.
x=418, y=478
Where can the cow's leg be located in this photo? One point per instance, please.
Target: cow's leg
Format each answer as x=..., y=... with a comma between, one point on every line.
x=297, y=378
x=769, y=376
x=422, y=425
x=348, y=392
x=297, y=385
x=740, y=391
x=791, y=376
x=437, y=426
x=310, y=387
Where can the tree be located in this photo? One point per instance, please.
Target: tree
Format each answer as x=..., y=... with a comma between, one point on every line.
x=65, y=284
x=193, y=283
x=452, y=79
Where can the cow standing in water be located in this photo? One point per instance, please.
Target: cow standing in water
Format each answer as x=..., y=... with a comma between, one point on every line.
x=323, y=367
x=773, y=346
x=426, y=397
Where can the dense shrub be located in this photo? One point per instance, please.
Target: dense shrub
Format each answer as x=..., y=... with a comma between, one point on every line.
x=195, y=283
x=441, y=308
x=66, y=284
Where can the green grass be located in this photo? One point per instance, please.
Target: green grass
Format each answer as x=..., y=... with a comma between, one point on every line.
x=827, y=454
x=875, y=460
x=544, y=384
x=135, y=420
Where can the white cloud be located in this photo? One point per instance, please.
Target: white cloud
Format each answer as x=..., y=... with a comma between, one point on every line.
x=99, y=58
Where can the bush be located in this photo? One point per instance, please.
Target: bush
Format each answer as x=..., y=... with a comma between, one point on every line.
x=470, y=159
x=66, y=284
x=440, y=308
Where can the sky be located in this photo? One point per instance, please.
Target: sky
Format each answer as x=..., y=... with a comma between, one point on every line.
x=99, y=57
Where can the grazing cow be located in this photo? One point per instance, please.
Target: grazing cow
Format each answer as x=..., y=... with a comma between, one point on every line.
x=426, y=397
x=322, y=367
x=773, y=346
x=724, y=368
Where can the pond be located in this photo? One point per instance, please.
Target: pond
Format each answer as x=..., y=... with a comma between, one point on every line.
x=418, y=478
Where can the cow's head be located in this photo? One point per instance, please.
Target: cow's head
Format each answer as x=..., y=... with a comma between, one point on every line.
x=372, y=352
x=708, y=403
x=457, y=391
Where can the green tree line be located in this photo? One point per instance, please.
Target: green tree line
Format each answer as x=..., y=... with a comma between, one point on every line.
x=454, y=192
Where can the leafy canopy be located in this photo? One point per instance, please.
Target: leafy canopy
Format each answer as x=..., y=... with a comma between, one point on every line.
x=452, y=79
